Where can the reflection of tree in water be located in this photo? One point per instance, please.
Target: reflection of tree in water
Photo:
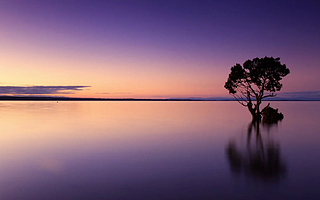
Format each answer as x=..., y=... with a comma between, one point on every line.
x=258, y=159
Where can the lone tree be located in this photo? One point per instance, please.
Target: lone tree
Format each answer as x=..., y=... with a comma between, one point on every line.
x=255, y=80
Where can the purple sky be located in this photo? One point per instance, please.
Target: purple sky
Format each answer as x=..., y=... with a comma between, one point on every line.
x=154, y=48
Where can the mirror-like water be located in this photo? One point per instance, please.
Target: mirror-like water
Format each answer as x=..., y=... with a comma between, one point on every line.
x=157, y=150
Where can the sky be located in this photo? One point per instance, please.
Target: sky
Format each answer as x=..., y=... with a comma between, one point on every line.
x=152, y=49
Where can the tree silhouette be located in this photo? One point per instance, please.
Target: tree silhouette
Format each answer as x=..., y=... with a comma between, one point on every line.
x=255, y=80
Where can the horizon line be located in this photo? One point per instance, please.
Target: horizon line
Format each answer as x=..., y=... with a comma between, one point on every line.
x=52, y=98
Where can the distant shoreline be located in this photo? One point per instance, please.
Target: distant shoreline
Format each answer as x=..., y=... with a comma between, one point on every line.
x=13, y=98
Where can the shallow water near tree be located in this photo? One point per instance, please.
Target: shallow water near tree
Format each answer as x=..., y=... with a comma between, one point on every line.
x=157, y=150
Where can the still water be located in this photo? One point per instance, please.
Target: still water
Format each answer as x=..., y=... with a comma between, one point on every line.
x=157, y=150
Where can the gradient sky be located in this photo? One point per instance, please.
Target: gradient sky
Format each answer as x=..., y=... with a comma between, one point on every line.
x=153, y=49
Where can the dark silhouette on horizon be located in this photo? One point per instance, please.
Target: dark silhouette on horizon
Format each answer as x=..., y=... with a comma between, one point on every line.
x=255, y=80
x=260, y=159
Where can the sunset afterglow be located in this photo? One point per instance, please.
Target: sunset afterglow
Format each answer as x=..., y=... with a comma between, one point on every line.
x=153, y=49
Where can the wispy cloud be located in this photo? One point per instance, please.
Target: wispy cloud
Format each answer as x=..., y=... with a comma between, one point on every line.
x=24, y=90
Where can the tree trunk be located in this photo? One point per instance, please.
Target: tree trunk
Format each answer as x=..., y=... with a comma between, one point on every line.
x=255, y=111
x=258, y=110
x=258, y=114
x=252, y=111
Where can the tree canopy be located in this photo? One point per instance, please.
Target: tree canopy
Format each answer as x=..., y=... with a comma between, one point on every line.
x=255, y=80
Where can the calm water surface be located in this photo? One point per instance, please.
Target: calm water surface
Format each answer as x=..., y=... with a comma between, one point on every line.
x=157, y=150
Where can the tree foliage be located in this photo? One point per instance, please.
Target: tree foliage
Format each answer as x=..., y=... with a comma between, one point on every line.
x=255, y=80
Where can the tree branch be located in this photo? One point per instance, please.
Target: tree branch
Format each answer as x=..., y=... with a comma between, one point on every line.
x=269, y=95
x=241, y=100
x=250, y=87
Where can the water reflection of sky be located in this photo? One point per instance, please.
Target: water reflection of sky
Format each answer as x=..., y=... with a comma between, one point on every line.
x=148, y=150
